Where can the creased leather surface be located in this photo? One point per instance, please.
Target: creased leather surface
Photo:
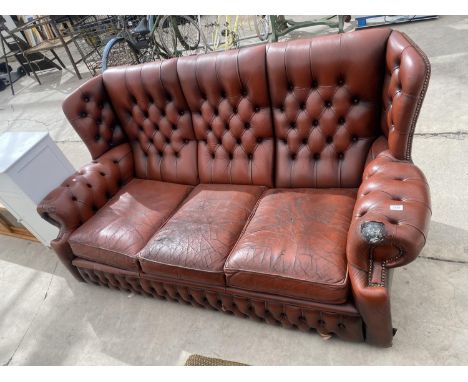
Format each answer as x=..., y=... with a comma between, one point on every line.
x=124, y=225
x=195, y=242
x=295, y=245
x=92, y=116
x=325, y=96
x=228, y=96
x=156, y=119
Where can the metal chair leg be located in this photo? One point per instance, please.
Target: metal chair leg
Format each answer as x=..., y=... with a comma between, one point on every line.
x=6, y=63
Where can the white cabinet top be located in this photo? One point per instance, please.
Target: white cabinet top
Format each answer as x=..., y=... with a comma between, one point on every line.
x=14, y=145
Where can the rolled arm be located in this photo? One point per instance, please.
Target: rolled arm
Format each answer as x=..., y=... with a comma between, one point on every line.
x=392, y=213
x=81, y=195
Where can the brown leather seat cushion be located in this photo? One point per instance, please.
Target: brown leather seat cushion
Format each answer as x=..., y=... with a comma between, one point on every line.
x=125, y=224
x=195, y=242
x=295, y=245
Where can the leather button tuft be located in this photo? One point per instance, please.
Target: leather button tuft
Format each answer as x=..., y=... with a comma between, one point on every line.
x=174, y=127
x=316, y=156
x=293, y=125
x=86, y=98
x=168, y=140
x=259, y=140
x=247, y=126
x=250, y=156
x=355, y=100
x=97, y=137
x=341, y=120
x=328, y=104
x=341, y=82
x=83, y=114
x=340, y=155
x=329, y=139
x=234, y=110
x=238, y=141
x=186, y=141
x=290, y=87
x=293, y=156
x=231, y=156
x=257, y=109
x=315, y=122
x=314, y=84
x=321, y=322
x=244, y=92
x=181, y=112
x=341, y=325
x=305, y=141
x=302, y=106
x=354, y=138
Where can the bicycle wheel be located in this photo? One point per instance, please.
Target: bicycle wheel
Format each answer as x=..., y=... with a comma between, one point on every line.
x=262, y=26
x=119, y=51
x=180, y=35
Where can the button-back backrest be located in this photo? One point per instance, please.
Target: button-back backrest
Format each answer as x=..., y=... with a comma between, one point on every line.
x=154, y=115
x=326, y=99
x=228, y=96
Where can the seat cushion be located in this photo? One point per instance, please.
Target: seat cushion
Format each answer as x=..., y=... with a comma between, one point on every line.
x=295, y=244
x=195, y=242
x=125, y=224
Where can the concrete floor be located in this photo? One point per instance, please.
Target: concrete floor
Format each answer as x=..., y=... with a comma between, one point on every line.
x=47, y=318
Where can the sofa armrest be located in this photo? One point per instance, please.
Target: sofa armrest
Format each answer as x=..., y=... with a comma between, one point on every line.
x=82, y=194
x=388, y=229
x=391, y=215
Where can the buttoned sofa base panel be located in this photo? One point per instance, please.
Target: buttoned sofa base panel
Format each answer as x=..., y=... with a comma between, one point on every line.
x=343, y=321
x=273, y=182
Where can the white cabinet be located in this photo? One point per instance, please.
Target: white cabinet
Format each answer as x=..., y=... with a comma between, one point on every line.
x=31, y=165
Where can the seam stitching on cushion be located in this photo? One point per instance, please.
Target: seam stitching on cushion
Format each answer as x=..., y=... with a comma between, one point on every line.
x=336, y=285
x=252, y=213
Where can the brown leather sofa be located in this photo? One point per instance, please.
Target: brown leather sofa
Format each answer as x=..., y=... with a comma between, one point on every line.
x=273, y=182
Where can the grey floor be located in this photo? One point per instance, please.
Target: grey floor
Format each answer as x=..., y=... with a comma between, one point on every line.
x=46, y=318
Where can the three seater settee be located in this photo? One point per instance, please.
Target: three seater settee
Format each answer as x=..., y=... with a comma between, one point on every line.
x=273, y=182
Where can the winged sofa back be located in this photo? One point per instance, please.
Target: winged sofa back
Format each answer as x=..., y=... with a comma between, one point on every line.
x=303, y=113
